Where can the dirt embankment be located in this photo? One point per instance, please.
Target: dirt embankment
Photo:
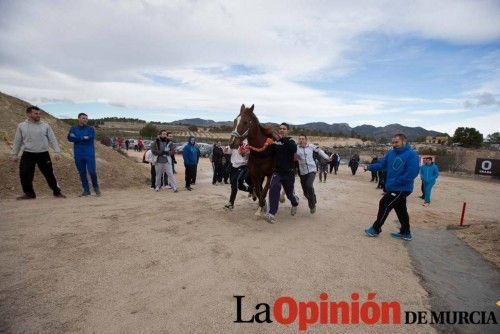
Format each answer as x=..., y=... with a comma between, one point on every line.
x=114, y=170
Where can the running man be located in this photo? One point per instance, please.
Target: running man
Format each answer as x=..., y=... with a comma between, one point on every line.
x=401, y=166
x=307, y=169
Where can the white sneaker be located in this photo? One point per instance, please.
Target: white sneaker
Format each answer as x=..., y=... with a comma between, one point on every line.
x=157, y=189
x=271, y=219
x=166, y=187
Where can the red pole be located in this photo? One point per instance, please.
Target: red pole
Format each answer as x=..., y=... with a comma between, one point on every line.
x=463, y=214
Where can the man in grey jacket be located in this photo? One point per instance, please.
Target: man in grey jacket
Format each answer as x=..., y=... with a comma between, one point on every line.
x=307, y=169
x=34, y=136
x=162, y=148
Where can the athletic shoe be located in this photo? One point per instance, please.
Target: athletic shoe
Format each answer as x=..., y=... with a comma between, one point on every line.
x=157, y=189
x=229, y=206
x=85, y=193
x=23, y=197
x=426, y=204
x=312, y=210
x=397, y=235
x=407, y=236
x=176, y=191
x=97, y=192
x=59, y=195
x=271, y=219
x=166, y=187
x=371, y=232
x=189, y=188
x=293, y=211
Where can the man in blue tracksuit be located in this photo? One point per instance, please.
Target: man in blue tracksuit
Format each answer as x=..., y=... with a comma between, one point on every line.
x=401, y=166
x=429, y=172
x=83, y=137
x=191, y=156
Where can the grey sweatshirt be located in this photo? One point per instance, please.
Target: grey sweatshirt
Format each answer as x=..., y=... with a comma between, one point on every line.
x=306, y=160
x=34, y=137
x=162, y=149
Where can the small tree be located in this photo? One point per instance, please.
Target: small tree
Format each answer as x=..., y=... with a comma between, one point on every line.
x=493, y=138
x=193, y=128
x=468, y=137
x=148, y=131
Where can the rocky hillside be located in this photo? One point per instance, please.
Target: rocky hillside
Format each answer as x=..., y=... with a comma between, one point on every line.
x=113, y=169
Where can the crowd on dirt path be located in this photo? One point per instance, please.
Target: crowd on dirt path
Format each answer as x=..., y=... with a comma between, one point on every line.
x=394, y=173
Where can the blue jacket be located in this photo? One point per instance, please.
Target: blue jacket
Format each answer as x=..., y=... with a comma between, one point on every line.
x=429, y=173
x=83, y=139
x=401, y=166
x=190, y=153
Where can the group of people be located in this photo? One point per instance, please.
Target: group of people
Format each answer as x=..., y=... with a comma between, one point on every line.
x=161, y=157
x=400, y=167
x=33, y=136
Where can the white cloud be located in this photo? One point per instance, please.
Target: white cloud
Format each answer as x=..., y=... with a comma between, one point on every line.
x=90, y=50
x=435, y=112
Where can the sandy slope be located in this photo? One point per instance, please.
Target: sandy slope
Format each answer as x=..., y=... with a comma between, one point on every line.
x=140, y=261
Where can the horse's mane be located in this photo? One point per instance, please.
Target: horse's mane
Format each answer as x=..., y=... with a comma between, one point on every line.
x=267, y=130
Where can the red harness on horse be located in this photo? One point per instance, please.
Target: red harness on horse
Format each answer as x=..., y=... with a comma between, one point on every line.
x=268, y=142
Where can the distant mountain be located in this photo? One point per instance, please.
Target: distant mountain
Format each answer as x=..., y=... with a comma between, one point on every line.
x=389, y=130
x=342, y=128
x=194, y=121
x=338, y=128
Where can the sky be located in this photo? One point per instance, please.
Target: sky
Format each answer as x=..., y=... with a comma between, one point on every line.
x=434, y=64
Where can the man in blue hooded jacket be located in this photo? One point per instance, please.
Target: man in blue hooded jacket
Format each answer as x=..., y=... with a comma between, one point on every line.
x=82, y=136
x=191, y=154
x=401, y=166
x=429, y=172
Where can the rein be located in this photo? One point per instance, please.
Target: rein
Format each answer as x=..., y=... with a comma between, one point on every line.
x=268, y=142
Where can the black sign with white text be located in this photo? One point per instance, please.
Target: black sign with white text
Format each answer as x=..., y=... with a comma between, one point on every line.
x=487, y=167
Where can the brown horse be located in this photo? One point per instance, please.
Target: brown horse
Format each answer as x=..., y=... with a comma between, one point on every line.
x=260, y=164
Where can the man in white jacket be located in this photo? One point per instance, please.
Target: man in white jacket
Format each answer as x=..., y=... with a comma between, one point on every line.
x=307, y=169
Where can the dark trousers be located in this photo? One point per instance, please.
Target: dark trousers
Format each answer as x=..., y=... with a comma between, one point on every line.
x=396, y=201
x=422, y=187
x=334, y=167
x=374, y=177
x=381, y=180
x=218, y=172
x=84, y=165
x=227, y=170
x=153, y=176
x=354, y=168
x=323, y=168
x=190, y=176
x=195, y=172
x=237, y=179
x=27, y=172
x=307, y=181
x=277, y=180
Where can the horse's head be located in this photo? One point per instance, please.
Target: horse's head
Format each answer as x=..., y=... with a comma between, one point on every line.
x=242, y=125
